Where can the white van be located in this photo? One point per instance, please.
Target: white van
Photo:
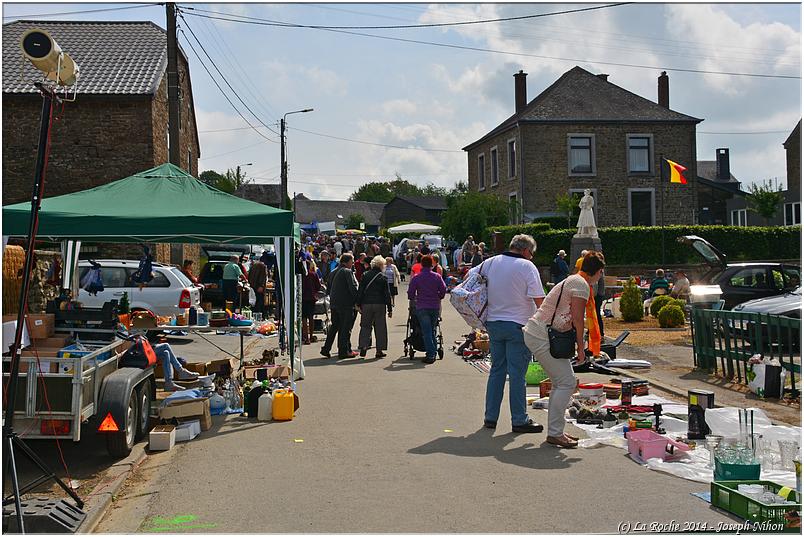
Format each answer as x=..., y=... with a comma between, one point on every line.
x=169, y=293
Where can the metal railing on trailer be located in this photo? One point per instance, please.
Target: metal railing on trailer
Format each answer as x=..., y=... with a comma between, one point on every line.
x=731, y=338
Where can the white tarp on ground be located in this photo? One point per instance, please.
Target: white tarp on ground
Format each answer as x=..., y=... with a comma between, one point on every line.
x=722, y=421
x=413, y=228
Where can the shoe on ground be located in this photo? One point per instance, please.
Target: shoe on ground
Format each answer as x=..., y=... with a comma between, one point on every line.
x=363, y=353
x=184, y=374
x=429, y=360
x=380, y=354
x=561, y=442
x=350, y=354
x=325, y=353
x=529, y=427
x=489, y=424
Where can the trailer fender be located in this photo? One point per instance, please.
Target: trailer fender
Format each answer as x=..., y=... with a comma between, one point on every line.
x=114, y=395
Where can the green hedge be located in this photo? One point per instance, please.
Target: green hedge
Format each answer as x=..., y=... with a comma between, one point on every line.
x=643, y=245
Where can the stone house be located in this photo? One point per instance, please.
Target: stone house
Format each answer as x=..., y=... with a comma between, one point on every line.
x=421, y=209
x=586, y=132
x=267, y=194
x=789, y=212
x=117, y=125
x=717, y=187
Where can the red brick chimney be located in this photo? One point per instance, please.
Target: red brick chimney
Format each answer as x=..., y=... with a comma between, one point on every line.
x=520, y=91
x=664, y=90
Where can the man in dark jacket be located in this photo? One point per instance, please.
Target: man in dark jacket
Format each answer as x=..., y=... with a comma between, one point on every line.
x=257, y=279
x=342, y=300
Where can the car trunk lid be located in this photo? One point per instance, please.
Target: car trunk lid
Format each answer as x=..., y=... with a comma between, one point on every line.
x=711, y=255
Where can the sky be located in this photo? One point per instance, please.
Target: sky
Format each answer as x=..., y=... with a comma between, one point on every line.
x=437, y=100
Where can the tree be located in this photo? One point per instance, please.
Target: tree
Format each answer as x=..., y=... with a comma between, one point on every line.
x=568, y=204
x=631, y=302
x=472, y=214
x=229, y=183
x=384, y=191
x=765, y=200
x=354, y=221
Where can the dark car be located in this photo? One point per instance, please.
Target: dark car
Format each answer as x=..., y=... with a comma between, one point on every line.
x=741, y=282
x=211, y=274
x=787, y=305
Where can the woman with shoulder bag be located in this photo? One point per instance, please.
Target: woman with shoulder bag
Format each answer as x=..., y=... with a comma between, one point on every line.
x=373, y=301
x=557, y=330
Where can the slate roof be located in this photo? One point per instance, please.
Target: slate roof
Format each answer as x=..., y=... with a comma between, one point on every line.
x=261, y=193
x=309, y=211
x=579, y=96
x=435, y=203
x=708, y=170
x=114, y=57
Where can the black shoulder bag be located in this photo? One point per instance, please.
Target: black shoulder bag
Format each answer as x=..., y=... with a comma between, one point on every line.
x=562, y=344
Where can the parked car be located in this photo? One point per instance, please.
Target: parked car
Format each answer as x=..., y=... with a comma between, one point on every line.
x=787, y=305
x=169, y=293
x=741, y=282
x=211, y=275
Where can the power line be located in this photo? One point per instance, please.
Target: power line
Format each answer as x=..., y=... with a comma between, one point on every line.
x=493, y=51
x=224, y=77
x=234, y=151
x=376, y=144
x=222, y=92
x=426, y=25
x=77, y=12
x=226, y=130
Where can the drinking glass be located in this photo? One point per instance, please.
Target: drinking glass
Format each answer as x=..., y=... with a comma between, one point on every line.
x=787, y=452
x=712, y=443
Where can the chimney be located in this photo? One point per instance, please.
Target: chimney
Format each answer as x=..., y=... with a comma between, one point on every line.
x=520, y=91
x=723, y=172
x=603, y=77
x=664, y=90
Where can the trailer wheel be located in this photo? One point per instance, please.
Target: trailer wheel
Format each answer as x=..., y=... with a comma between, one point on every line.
x=144, y=396
x=119, y=444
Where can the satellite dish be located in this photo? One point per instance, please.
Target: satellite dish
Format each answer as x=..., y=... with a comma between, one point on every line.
x=45, y=54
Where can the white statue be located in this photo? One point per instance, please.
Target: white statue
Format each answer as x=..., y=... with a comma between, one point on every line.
x=586, y=220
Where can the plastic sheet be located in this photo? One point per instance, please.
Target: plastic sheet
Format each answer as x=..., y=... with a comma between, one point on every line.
x=726, y=423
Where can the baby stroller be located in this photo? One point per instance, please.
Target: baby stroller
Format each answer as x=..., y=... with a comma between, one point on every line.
x=414, y=340
x=321, y=308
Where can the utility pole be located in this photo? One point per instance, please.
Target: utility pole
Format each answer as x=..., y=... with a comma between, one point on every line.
x=284, y=164
x=174, y=155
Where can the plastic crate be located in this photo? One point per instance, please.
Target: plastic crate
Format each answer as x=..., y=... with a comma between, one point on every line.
x=735, y=472
x=72, y=351
x=726, y=496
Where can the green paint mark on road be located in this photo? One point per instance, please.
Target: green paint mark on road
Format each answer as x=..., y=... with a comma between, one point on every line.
x=177, y=523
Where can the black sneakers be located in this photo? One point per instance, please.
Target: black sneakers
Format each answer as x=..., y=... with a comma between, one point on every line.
x=529, y=427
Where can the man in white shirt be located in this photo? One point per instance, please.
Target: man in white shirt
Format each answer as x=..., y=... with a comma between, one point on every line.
x=514, y=292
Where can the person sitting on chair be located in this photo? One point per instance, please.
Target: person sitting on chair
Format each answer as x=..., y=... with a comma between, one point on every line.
x=171, y=365
x=659, y=285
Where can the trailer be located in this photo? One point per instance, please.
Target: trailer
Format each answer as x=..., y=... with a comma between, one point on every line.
x=69, y=392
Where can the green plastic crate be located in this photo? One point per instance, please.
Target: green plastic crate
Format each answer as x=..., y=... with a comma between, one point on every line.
x=535, y=374
x=725, y=496
x=735, y=472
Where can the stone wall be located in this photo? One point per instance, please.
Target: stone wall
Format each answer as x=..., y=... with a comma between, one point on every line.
x=506, y=184
x=793, y=157
x=188, y=139
x=95, y=140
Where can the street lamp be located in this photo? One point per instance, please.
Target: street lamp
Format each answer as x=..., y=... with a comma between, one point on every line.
x=284, y=163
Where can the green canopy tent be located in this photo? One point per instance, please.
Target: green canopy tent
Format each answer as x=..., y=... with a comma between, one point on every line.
x=166, y=204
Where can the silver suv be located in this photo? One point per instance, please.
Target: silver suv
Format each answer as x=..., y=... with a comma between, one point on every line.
x=169, y=293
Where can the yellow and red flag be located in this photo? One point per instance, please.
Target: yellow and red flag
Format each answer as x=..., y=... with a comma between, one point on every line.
x=677, y=172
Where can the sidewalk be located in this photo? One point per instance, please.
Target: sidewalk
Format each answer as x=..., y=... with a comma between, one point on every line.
x=672, y=367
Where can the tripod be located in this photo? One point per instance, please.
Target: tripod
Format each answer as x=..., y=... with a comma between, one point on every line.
x=11, y=441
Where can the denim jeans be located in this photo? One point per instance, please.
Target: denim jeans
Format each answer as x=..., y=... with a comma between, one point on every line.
x=164, y=352
x=428, y=320
x=510, y=356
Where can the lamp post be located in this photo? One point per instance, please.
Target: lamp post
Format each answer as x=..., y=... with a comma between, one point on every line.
x=284, y=163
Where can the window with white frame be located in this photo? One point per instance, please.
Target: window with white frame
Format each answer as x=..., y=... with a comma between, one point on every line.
x=511, y=159
x=739, y=217
x=639, y=153
x=581, y=154
x=495, y=167
x=792, y=213
x=481, y=171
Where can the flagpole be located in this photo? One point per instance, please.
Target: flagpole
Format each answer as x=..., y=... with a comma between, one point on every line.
x=661, y=201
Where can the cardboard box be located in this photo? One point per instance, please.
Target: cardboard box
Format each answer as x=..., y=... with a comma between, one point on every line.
x=188, y=430
x=189, y=408
x=40, y=325
x=223, y=367
x=198, y=367
x=54, y=342
x=271, y=371
x=162, y=437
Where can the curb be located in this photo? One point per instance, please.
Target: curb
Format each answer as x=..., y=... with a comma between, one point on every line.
x=100, y=499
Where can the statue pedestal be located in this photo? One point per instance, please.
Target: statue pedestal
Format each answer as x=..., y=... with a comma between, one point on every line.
x=583, y=243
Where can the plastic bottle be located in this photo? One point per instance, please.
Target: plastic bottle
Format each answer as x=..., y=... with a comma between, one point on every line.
x=193, y=320
x=265, y=407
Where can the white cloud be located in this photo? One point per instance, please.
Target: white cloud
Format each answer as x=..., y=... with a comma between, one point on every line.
x=397, y=107
x=325, y=80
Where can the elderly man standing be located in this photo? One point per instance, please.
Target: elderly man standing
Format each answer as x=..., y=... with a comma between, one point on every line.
x=343, y=297
x=514, y=292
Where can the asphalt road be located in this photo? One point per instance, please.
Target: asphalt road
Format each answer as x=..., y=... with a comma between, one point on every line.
x=392, y=445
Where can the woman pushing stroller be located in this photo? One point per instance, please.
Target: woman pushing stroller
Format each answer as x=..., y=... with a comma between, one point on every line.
x=426, y=290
